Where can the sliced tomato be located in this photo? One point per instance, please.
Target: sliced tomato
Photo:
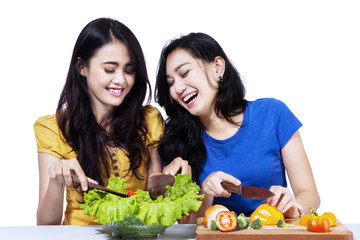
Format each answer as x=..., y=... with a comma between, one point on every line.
x=225, y=221
x=130, y=193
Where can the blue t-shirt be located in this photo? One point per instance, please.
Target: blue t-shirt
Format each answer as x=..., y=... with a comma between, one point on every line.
x=252, y=155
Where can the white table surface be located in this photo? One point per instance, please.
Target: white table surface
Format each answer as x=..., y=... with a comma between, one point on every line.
x=100, y=232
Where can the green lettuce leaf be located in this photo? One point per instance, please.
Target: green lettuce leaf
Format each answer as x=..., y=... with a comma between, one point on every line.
x=182, y=198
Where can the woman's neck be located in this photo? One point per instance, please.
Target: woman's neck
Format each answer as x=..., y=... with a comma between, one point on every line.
x=100, y=113
x=219, y=128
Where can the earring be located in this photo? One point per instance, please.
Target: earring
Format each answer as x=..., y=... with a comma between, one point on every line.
x=221, y=79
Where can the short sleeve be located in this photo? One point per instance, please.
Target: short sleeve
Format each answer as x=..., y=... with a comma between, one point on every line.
x=287, y=123
x=48, y=137
x=155, y=124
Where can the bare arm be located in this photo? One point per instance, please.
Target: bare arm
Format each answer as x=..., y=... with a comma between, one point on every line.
x=50, y=207
x=155, y=164
x=54, y=174
x=301, y=179
x=211, y=187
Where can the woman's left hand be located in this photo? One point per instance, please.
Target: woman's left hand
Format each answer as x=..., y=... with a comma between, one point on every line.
x=284, y=201
x=174, y=167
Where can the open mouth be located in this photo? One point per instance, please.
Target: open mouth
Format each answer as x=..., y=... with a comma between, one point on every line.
x=190, y=97
x=115, y=90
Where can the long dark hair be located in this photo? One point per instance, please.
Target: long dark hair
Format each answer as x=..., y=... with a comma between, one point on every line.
x=125, y=125
x=183, y=132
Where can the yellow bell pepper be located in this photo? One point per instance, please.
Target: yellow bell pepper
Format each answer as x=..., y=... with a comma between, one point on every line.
x=269, y=215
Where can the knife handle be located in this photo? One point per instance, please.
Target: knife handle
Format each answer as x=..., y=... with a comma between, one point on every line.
x=232, y=188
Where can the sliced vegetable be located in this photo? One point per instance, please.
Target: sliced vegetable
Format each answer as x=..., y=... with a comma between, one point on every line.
x=331, y=218
x=269, y=215
x=303, y=220
x=226, y=221
x=282, y=224
x=130, y=193
x=318, y=223
x=211, y=212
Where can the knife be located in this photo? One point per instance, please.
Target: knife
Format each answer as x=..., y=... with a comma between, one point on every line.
x=97, y=186
x=248, y=191
x=157, y=183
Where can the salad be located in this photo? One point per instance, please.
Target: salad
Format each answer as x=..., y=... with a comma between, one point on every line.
x=181, y=198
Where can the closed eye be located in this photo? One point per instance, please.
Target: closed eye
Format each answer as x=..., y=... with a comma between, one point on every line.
x=184, y=74
x=130, y=71
x=109, y=70
x=170, y=83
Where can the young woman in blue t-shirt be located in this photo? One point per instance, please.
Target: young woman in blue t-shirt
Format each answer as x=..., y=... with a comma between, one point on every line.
x=223, y=136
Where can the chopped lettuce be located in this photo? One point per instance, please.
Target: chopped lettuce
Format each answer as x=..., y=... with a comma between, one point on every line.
x=182, y=198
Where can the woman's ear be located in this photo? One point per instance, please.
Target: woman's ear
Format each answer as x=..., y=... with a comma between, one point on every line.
x=81, y=67
x=219, y=66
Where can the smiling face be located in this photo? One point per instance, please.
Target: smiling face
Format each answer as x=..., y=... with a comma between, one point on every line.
x=110, y=76
x=192, y=82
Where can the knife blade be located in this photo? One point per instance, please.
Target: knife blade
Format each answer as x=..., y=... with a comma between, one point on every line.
x=97, y=186
x=157, y=183
x=248, y=191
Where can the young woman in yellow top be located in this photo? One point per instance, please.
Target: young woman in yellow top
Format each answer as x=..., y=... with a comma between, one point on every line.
x=100, y=129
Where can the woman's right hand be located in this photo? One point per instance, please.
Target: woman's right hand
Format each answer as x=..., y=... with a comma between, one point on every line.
x=212, y=184
x=63, y=172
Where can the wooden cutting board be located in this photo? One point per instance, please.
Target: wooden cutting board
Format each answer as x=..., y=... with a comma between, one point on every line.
x=274, y=233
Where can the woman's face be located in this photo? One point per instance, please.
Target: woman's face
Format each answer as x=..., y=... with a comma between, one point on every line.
x=192, y=82
x=110, y=76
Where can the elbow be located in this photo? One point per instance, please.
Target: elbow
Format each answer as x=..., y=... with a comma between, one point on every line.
x=43, y=219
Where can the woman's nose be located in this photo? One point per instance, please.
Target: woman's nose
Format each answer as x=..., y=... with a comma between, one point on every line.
x=119, y=78
x=179, y=86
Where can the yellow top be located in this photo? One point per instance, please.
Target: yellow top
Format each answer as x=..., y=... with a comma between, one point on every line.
x=49, y=140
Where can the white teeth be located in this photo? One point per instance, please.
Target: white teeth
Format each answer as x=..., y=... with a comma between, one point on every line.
x=189, y=96
x=115, y=90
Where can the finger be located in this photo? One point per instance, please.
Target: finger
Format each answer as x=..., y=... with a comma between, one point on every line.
x=185, y=167
x=58, y=175
x=52, y=173
x=67, y=176
x=168, y=168
x=216, y=184
x=287, y=197
x=277, y=194
x=290, y=210
x=210, y=192
x=82, y=179
x=79, y=173
x=228, y=178
x=91, y=180
x=216, y=192
x=174, y=166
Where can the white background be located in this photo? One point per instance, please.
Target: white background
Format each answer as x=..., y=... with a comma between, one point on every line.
x=305, y=53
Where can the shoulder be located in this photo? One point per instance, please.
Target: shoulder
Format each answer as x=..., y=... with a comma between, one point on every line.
x=151, y=114
x=266, y=102
x=266, y=109
x=49, y=138
x=155, y=125
x=46, y=127
x=48, y=122
x=267, y=105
